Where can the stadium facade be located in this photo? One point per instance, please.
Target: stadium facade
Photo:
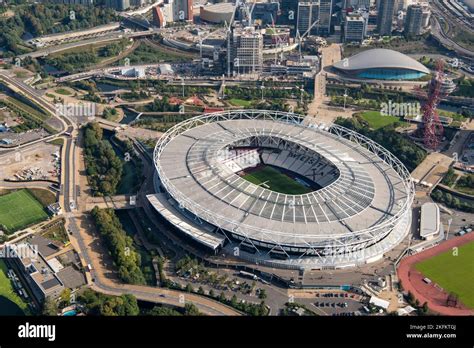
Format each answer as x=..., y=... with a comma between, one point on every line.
x=357, y=207
x=381, y=64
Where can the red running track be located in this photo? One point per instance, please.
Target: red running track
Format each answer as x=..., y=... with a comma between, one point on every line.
x=412, y=280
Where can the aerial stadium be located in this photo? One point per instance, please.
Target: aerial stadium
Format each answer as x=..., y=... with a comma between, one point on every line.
x=381, y=64
x=266, y=187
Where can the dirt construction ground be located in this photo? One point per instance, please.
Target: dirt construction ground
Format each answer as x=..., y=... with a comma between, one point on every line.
x=40, y=157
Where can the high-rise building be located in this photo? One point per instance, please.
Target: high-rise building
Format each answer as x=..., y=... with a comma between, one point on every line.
x=288, y=12
x=386, y=10
x=426, y=15
x=137, y=3
x=168, y=10
x=400, y=5
x=325, y=14
x=264, y=12
x=177, y=10
x=247, y=51
x=312, y=11
x=189, y=8
x=358, y=4
x=158, y=17
x=184, y=9
x=355, y=27
x=414, y=20
x=308, y=14
x=119, y=5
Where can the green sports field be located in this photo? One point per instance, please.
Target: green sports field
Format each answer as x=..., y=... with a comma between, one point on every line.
x=453, y=273
x=10, y=302
x=20, y=209
x=272, y=179
x=376, y=120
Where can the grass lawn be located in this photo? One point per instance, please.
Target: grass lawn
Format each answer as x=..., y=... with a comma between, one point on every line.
x=56, y=231
x=453, y=273
x=45, y=197
x=150, y=54
x=464, y=189
x=274, y=180
x=455, y=116
x=21, y=74
x=57, y=141
x=20, y=209
x=63, y=91
x=376, y=120
x=240, y=102
x=10, y=302
x=35, y=113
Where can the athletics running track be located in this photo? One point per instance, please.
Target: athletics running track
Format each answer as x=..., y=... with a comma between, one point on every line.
x=412, y=280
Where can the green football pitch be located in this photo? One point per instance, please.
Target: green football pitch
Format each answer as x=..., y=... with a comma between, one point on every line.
x=272, y=179
x=453, y=271
x=20, y=209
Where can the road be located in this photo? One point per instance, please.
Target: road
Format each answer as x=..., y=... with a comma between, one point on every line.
x=68, y=177
x=103, y=284
x=30, y=93
x=98, y=279
x=94, y=41
x=437, y=30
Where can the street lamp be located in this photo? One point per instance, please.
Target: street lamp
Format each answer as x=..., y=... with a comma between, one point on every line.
x=262, y=87
x=449, y=226
x=345, y=96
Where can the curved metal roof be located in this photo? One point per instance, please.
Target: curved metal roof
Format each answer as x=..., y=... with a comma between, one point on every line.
x=223, y=7
x=191, y=171
x=380, y=58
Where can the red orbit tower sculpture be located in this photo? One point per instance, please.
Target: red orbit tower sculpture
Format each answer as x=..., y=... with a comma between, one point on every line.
x=432, y=127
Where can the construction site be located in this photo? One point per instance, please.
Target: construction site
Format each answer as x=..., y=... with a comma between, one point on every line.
x=36, y=163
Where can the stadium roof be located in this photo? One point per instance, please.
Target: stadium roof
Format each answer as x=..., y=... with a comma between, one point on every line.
x=189, y=169
x=380, y=58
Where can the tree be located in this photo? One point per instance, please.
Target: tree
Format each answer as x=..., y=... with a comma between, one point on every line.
x=234, y=300
x=100, y=304
x=162, y=311
x=104, y=167
x=65, y=296
x=262, y=294
x=191, y=310
x=120, y=245
x=189, y=288
x=263, y=308
x=211, y=293
x=200, y=291
x=222, y=297
x=50, y=307
x=425, y=307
